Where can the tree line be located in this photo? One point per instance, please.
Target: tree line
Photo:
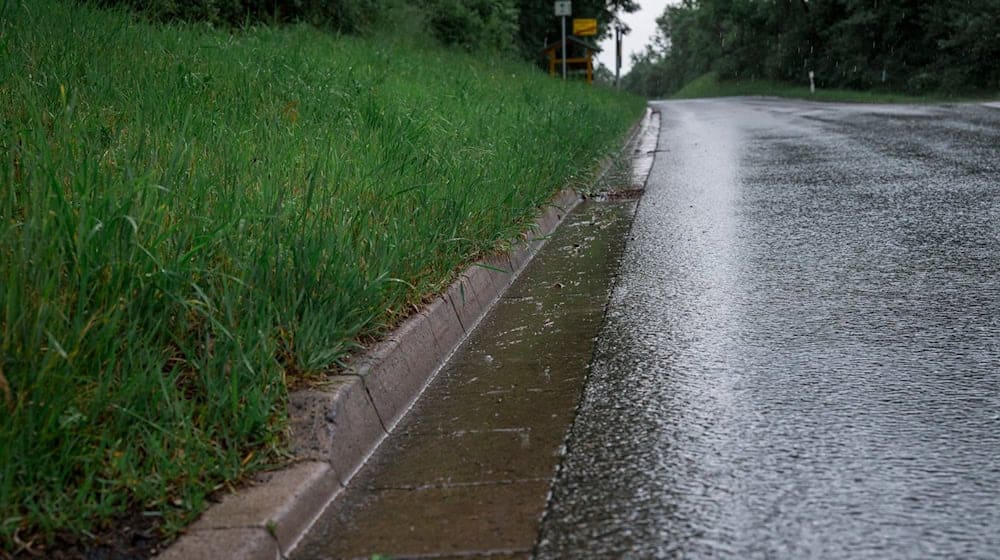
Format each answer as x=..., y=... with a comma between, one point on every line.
x=912, y=46
x=519, y=28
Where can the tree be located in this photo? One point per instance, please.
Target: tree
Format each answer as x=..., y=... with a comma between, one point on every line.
x=489, y=25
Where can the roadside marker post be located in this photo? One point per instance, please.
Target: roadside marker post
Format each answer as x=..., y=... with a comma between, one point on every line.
x=564, y=8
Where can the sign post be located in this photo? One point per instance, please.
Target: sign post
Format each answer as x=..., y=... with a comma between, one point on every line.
x=564, y=8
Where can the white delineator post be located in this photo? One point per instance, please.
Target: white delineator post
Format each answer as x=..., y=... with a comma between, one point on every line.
x=812, y=82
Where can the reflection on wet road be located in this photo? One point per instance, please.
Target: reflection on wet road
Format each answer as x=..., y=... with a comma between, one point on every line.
x=802, y=354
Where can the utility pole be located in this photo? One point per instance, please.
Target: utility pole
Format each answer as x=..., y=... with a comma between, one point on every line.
x=620, y=31
x=618, y=52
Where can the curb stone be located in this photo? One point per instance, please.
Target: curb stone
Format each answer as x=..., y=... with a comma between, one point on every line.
x=336, y=427
x=644, y=150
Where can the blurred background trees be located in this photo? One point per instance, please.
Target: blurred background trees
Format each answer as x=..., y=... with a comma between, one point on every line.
x=515, y=27
x=913, y=46
x=340, y=15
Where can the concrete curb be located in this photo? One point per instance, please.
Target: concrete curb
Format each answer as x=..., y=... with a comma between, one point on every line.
x=336, y=427
x=643, y=152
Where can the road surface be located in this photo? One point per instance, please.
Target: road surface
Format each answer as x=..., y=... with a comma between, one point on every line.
x=802, y=353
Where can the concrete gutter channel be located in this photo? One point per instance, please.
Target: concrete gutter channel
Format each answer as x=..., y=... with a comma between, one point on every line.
x=337, y=428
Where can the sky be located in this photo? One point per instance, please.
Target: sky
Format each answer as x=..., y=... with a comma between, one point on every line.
x=643, y=24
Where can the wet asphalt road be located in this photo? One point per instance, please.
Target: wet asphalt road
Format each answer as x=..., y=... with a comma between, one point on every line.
x=802, y=354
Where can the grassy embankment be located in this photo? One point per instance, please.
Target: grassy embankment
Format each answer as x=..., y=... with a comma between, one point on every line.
x=709, y=85
x=190, y=219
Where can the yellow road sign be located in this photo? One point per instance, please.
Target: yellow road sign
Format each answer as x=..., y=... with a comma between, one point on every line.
x=584, y=27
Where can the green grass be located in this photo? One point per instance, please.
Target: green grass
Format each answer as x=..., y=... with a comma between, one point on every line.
x=190, y=218
x=709, y=85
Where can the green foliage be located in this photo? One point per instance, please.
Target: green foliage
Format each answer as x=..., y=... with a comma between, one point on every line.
x=909, y=45
x=189, y=218
x=474, y=25
x=341, y=15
